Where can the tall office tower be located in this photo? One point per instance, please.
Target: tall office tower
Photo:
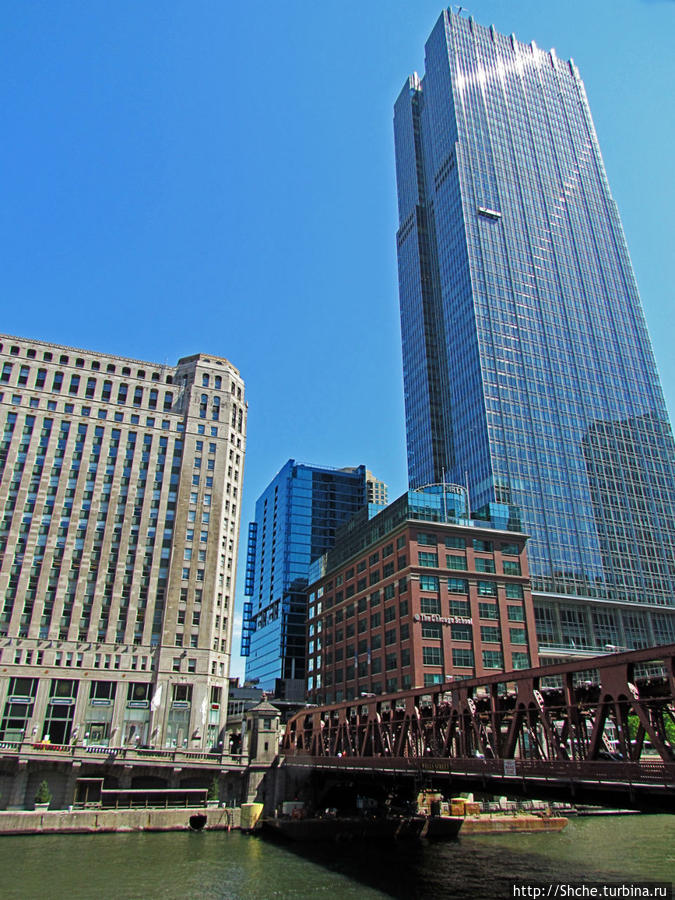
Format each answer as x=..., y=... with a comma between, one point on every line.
x=528, y=370
x=119, y=504
x=295, y=521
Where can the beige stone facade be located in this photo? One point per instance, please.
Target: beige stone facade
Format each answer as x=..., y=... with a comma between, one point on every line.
x=120, y=500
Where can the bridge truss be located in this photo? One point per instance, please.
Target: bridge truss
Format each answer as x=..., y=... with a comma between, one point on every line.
x=608, y=720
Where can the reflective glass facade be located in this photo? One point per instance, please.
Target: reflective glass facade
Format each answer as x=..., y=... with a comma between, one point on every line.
x=295, y=522
x=528, y=369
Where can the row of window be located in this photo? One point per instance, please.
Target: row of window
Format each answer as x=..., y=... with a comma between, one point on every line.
x=86, y=411
x=456, y=542
x=78, y=362
x=429, y=560
x=462, y=658
x=75, y=382
x=432, y=584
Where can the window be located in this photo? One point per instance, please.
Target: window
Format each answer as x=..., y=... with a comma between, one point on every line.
x=430, y=605
x=489, y=634
x=520, y=660
x=511, y=566
x=484, y=565
x=459, y=608
x=487, y=589
x=455, y=543
x=460, y=632
x=514, y=591
x=462, y=658
x=429, y=583
x=493, y=659
x=482, y=546
x=510, y=549
x=431, y=656
x=515, y=613
x=102, y=690
x=431, y=630
x=455, y=562
x=426, y=539
x=458, y=586
x=432, y=678
x=430, y=560
x=488, y=611
x=517, y=635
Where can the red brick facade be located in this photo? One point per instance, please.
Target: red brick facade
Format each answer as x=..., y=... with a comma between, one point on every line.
x=425, y=603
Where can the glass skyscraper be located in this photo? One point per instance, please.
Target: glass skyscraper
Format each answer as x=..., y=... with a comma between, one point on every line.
x=295, y=521
x=528, y=371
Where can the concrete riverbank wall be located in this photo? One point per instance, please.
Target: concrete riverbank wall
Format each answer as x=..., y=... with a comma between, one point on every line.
x=97, y=821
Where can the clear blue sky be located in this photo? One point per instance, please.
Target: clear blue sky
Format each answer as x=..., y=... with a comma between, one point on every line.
x=214, y=176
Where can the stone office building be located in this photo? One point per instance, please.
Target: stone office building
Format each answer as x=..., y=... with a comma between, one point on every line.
x=418, y=595
x=119, y=522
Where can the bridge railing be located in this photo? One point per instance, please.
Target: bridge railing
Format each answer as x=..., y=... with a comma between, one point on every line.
x=604, y=773
x=613, y=708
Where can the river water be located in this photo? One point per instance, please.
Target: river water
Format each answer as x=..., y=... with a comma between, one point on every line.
x=221, y=866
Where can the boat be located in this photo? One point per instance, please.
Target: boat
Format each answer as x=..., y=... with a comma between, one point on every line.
x=363, y=828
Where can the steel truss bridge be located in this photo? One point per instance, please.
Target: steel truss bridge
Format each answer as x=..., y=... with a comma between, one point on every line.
x=599, y=730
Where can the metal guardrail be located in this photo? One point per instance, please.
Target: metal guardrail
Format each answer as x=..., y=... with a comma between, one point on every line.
x=602, y=773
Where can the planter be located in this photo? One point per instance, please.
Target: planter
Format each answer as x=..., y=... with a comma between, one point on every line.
x=212, y=804
x=41, y=807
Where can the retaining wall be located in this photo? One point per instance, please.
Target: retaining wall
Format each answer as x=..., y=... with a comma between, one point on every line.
x=100, y=821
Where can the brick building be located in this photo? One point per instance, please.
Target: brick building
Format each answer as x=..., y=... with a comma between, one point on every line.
x=417, y=595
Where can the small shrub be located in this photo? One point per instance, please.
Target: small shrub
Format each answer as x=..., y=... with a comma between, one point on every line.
x=213, y=792
x=43, y=794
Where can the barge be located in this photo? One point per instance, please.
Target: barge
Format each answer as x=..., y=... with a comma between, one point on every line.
x=363, y=828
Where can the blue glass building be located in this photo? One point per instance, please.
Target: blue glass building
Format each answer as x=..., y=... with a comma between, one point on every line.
x=528, y=370
x=295, y=521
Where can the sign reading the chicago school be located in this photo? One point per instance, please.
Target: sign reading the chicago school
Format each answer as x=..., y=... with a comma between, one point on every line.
x=442, y=620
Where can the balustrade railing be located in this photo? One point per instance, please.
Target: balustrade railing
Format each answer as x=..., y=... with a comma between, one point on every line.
x=120, y=753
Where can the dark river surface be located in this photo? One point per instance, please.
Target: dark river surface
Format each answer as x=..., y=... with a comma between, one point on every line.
x=216, y=865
